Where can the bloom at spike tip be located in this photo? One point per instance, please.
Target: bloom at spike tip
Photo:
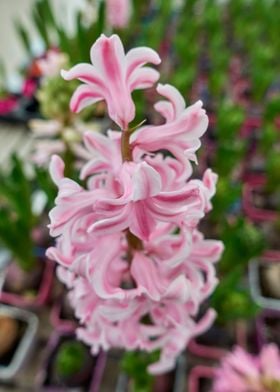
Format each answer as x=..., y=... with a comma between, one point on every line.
x=112, y=77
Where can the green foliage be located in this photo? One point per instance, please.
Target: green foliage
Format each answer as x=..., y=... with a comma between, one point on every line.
x=243, y=241
x=268, y=137
x=24, y=37
x=70, y=358
x=46, y=184
x=135, y=364
x=228, y=156
x=231, y=299
x=53, y=34
x=57, y=108
x=273, y=169
x=16, y=217
x=230, y=148
x=272, y=108
x=228, y=195
x=229, y=121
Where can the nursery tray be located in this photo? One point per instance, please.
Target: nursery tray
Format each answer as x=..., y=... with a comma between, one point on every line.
x=42, y=380
x=256, y=286
x=42, y=295
x=57, y=319
x=29, y=325
x=200, y=379
x=257, y=214
x=268, y=327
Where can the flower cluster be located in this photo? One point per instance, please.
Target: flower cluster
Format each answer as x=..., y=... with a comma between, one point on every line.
x=60, y=132
x=242, y=372
x=128, y=245
x=51, y=63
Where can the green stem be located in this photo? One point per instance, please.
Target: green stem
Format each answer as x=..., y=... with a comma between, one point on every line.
x=134, y=243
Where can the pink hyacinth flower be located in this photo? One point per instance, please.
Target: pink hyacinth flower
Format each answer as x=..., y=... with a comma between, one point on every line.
x=128, y=245
x=112, y=77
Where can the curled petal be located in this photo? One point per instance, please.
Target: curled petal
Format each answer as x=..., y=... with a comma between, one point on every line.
x=83, y=97
x=85, y=73
x=56, y=169
x=174, y=97
x=143, y=78
x=138, y=57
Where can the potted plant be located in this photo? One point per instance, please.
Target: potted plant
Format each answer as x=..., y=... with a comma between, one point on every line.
x=134, y=377
x=28, y=276
x=17, y=333
x=69, y=364
x=258, y=203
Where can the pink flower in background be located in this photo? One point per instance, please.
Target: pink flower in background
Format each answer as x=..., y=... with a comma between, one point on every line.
x=7, y=104
x=52, y=63
x=118, y=13
x=53, y=137
x=29, y=87
x=243, y=372
x=128, y=240
x=112, y=77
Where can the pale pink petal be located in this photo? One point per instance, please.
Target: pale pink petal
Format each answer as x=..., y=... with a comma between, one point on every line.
x=84, y=96
x=107, y=55
x=146, y=182
x=174, y=97
x=137, y=57
x=56, y=169
x=143, y=78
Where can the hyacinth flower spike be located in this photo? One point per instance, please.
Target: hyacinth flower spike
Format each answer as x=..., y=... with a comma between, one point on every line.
x=127, y=243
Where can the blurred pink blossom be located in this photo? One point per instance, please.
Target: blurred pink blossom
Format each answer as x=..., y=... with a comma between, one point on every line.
x=52, y=63
x=243, y=372
x=7, y=104
x=118, y=13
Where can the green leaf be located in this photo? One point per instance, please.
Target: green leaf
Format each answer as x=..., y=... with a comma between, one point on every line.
x=24, y=37
x=41, y=26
